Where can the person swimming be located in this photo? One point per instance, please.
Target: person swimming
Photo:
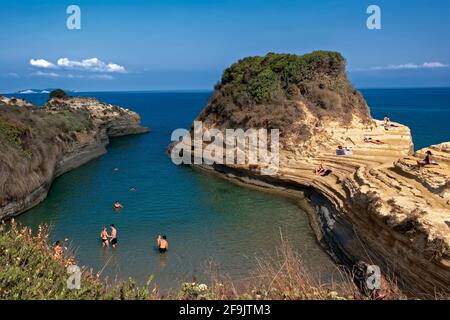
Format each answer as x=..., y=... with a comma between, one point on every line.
x=118, y=205
x=113, y=235
x=104, y=236
x=133, y=189
x=163, y=244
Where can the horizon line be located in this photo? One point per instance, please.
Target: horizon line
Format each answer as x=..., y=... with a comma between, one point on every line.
x=206, y=90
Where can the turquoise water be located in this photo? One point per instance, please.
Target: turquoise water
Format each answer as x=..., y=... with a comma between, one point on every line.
x=207, y=220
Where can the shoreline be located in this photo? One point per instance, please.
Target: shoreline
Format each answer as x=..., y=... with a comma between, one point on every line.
x=351, y=217
x=320, y=211
x=72, y=149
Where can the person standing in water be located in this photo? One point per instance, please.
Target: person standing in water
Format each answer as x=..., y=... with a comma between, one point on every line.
x=104, y=236
x=113, y=235
x=163, y=244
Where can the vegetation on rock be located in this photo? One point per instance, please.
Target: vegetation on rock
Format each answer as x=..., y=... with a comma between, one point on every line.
x=272, y=92
x=58, y=93
x=30, y=140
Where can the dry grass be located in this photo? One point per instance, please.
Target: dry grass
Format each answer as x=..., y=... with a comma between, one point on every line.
x=31, y=140
x=285, y=277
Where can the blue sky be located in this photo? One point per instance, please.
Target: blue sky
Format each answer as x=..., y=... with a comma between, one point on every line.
x=176, y=45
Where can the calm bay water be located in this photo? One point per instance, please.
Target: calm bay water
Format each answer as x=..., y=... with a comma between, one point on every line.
x=205, y=218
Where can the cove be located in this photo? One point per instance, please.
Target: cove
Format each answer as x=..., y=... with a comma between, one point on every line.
x=211, y=223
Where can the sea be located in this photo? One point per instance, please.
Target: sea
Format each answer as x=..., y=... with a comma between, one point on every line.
x=214, y=227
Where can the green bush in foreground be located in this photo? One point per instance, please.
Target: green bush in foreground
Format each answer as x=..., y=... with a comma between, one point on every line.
x=28, y=270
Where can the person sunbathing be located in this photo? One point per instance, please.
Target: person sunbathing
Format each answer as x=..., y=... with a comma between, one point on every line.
x=370, y=140
x=321, y=169
x=428, y=159
x=340, y=151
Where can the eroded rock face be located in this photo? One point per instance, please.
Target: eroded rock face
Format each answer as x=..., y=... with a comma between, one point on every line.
x=383, y=209
x=39, y=144
x=116, y=121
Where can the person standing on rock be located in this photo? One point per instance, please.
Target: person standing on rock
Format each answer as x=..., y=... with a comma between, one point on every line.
x=386, y=122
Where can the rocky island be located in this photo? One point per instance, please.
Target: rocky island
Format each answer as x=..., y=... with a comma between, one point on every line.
x=41, y=143
x=376, y=206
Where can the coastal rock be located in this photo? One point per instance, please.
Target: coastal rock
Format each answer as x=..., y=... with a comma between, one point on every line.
x=114, y=120
x=15, y=102
x=381, y=208
x=441, y=152
x=42, y=143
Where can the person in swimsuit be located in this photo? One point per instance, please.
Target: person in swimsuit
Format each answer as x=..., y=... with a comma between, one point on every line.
x=57, y=250
x=386, y=122
x=163, y=244
x=321, y=169
x=428, y=159
x=118, y=205
x=370, y=140
x=113, y=235
x=104, y=236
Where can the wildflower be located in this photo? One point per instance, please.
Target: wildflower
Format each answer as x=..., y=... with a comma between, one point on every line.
x=202, y=287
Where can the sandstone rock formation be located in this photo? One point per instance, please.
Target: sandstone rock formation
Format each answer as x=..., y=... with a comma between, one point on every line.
x=376, y=205
x=39, y=144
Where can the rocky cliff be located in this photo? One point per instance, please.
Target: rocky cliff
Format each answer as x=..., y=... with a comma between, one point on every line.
x=375, y=204
x=41, y=143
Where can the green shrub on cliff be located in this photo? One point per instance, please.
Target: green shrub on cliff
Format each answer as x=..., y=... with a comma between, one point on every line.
x=278, y=91
x=58, y=93
x=15, y=135
x=260, y=76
